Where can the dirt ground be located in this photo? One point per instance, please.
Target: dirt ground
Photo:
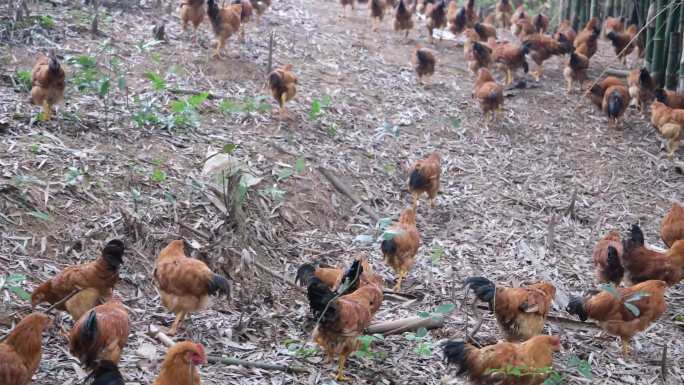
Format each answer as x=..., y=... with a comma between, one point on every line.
x=504, y=211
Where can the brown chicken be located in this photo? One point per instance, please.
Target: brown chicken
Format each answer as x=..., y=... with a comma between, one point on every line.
x=459, y=22
x=490, y=19
x=336, y=278
x=614, y=24
x=100, y=334
x=623, y=315
x=246, y=12
x=595, y=92
x=672, y=227
x=576, y=69
x=283, y=85
x=565, y=29
x=670, y=123
x=622, y=42
x=184, y=283
x=471, y=14
x=48, y=83
x=436, y=18
x=95, y=280
x=519, y=14
x=643, y=264
x=403, y=19
x=485, y=31
x=377, y=13
x=503, y=13
x=615, y=103
x=342, y=319
x=542, y=47
x=180, y=364
x=424, y=62
x=400, y=249
x=541, y=23
x=425, y=178
x=479, y=56
x=346, y=3
x=21, y=351
x=671, y=99
x=488, y=93
x=510, y=57
x=192, y=11
x=607, y=254
x=488, y=365
x=641, y=87
x=225, y=22
x=520, y=312
x=588, y=37
x=523, y=28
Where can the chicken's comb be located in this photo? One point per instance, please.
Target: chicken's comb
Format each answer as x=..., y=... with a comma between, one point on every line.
x=200, y=351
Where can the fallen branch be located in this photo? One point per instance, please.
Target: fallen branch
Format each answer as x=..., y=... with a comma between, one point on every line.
x=405, y=325
x=154, y=332
x=616, y=72
x=663, y=363
x=54, y=305
x=344, y=190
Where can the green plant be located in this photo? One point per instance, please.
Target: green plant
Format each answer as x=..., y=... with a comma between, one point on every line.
x=43, y=216
x=583, y=367
x=46, y=21
x=184, y=112
x=13, y=283
x=299, y=349
x=73, y=176
x=158, y=82
x=146, y=113
x=24, y=83
x=86, y=77
x=318, y=106
x=34, y=148
x=158, y=176
x=436, y=254
x=332, y=130
x=423, y=342
x=247, y=106
x=273, y=192
x=439, y=311
x=365, y=346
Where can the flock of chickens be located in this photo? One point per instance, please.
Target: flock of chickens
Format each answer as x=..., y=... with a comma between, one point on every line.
x=345, y=301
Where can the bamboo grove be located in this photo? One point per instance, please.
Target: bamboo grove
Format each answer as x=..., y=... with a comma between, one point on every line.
x=663, y=55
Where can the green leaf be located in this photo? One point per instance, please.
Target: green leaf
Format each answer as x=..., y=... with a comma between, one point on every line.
x=610, y=289
x=20, y=292
x=383, y=223
x=196, y=100
x=423, y=314
x=455, y=123
x=284, y=174
x=158, y=82
x=105, y=85
x=364, y=239
x=158, y=176
x=47, y=22
x=25, y=82
x=515, y=371
x=445, y=308
x=43, y=216
x=121, y=82
x=436, y=255
x=633, y=309
x=228, y=106
x=315, y=111
x=15, y=278
x=326, y=101
x=421, y=332
x=300, y=165
x=582, y=366
x=229, y=148
x=389, y=169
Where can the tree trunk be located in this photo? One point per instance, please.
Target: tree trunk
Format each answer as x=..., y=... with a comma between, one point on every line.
x=672, y=65
x=659, y=53
x=649, y=35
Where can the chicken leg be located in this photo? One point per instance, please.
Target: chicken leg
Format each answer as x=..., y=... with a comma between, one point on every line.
x=538, y=73
x=625, y=347
x=47, y=110
x=340, y=367
x=174, y=327
x=283, y=109
x=509, y=76
x=415, y=200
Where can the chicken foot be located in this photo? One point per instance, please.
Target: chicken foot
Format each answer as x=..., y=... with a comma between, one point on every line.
x=47, y=110
x=340, y=367
x=174, y=327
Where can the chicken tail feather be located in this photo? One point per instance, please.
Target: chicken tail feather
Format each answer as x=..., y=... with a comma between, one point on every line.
x=87, y=338
x=107, y=373
x=614, y=270
x=576, y=307
x=483, y=288
x=635, y=240
x=456, y=353
x=417, y=180
x=219, y=283
x=352, y=277
x=305, y=273
x=525, y=66
x=213, y=13
x=319, y=296
x=113, y=252
x=388, y=247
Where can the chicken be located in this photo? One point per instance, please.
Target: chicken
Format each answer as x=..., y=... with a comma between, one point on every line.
x=246, y=12
x=488, y=365
x=541, y=23
x=425, y=178
x=260, y=6
x=543, y=47
x=48, y=83
x=283, y=85
x=565, y=29
x=592, y=24
x=523, y=28
x=21, y=351
x=377, y=13
x=520, y=312
x=671, y=99
x=180, y=364
x=471, y=14
x=643, y=264
x=106, y=373
x=435, y=18
x=421, y=5
x=346, y=3
x=588, y=37
x=488, y=93
x=95, y=280
x=519, y=14
x=192, y=11
x=423, y=61
x=459, y=22
x=614, y=24
x=485, y=31
x=623, y=315
x=400, y=250
x=615, y=103
x=576, y=69
x=184, y=283
x=503, y=13
x=641, y=87
x=479, y=56
x=510, y=57
x=672, y=227
x=403, y=19
x=607, y=254
x=342, y=319
x=100, y=335
x=359, y=273
x=596, y=91
x=490, y=19
x=225, y=22
x=622, y=42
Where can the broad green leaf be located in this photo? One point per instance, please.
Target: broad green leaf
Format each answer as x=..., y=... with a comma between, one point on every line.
x=15, y=278
x=158, y=176
x=633, y=309
x=300, y=165
x=229, y=148
x=436, y=255
x=390, y=234
x=423, y=314
x=421, y=332
x=284, y=174
x=315, y=111
x=40, y=215
x=20, y=292
x=364, y=238
x=121, y=83
x=104, y=87
x=445, y=308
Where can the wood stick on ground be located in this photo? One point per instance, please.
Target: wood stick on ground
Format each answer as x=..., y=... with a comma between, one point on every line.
x=155, y=332
x=344, y=190
x=269, y=66
x=616, y=72
x=663, y=363
x=54, y=305
x=405, y=325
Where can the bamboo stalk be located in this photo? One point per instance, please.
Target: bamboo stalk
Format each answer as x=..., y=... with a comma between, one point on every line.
x=594, y=9
x=658, y=58
x=577, y=14
x=609, y=8
x=681, y=61
x=649, y=35
x=672, y=65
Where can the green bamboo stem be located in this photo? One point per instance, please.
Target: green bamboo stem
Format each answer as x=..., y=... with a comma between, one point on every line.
x=594, y=9
x=609, y=8
x=671, y=27
x=649, y=35
x=659, y=53
x=672, y=65
x=577, y=14
x=680, y=88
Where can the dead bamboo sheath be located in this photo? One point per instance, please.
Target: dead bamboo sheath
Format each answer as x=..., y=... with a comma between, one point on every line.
x=405, y=325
